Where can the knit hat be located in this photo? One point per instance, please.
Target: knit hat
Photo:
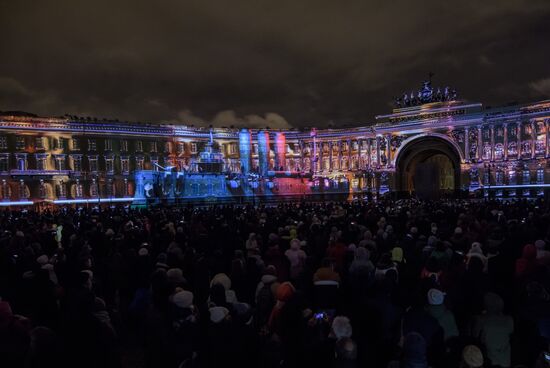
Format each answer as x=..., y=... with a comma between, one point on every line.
x=341, y=327
x=397, y=255
x=540, y=244
x=242, y=312
x=285, y=291
x=161, y=261
x=472, y=356
x=183, y=299
x=175, y=275
x=435, y=297
x=42, y=260
x=458, y=230
x=218, y=314
x=223, y=279
x=143, y=252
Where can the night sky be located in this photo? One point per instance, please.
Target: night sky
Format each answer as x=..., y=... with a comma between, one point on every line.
x=265, y=63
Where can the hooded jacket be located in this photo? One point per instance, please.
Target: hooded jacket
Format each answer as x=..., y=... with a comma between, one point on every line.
x=527, y=264
x=494, y=329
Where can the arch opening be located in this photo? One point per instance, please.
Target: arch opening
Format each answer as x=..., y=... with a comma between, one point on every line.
x=428, y=168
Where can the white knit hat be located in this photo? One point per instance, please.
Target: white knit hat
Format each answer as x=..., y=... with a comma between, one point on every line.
x=435, y=297
x=223, y=279
x=218, y=314
x=183, y=299
x=341, y=327
x=42, y=260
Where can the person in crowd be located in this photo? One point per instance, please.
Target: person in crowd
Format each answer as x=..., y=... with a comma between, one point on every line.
x=445, y=283
x=437, y=309
x=494, y=329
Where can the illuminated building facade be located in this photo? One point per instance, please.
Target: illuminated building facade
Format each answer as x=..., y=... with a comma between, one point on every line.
x=431, y=143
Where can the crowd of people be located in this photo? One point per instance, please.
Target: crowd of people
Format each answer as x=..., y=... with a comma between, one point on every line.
x=381, y=284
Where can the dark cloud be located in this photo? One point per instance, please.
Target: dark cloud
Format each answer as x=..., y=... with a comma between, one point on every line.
x=283, y=63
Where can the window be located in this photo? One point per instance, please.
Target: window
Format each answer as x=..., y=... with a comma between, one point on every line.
x=41, y=162
x=499, y=177
x=75, y=144
x=57, y=143
x=139, y=163
x=3, y=142
x=62, y=189
x=93, y=163
x=193, y=148
x=540, y=176
x=60, y=162
x=110, y=188
x=125, y=165
x=499, y=151
x=93, y=189
x=139, y=146
x=512, y=177
x=20, y=143
x=526, y=177
x=42, y=189
x=153, y=147
x=92, y=145
x=21, y=162
x=77, y=163
x=233, y=148
x=109, y=165
x=4, y=162
x=39, y=143
x=124, y=145
x=326, y=163
x=180, y=148
x=108, y=145
x=79, y=189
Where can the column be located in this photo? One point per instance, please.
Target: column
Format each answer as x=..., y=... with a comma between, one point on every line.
x=518, y=139
x=547, y=126
x=321, y=156
x=378, y=150
x=505, y=127
x=330, y=156
x=533, y=138
x=467, y=144
x=479, y=142
x=280, y=151
x=388, y=150
x=315, y=160
x=492, y=130
x=340, y=155
x=245, y=144
x=369, y=148
x=349, y=154
x=302, y=155
x=263, y=152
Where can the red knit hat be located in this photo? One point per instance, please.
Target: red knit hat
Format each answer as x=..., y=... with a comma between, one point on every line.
x=285, y=291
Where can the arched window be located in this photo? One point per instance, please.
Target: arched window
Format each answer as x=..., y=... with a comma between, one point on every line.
x=499, y=151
